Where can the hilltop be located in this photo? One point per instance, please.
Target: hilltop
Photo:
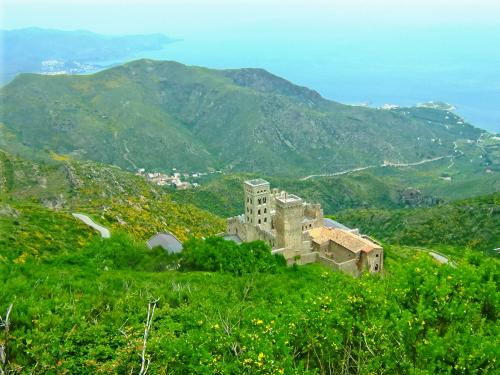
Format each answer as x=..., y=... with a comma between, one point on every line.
x=161, y=115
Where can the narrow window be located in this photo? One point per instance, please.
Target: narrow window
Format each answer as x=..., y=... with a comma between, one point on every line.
x=265, y=210
x=251, y=211
x=259, y=221
x=259, y=211
x=376, y=255
x=260, y=201
x=376, y=267
x=265, y=220
x=264, y=200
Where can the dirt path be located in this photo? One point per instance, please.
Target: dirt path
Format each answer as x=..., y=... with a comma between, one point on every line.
x=127, y=153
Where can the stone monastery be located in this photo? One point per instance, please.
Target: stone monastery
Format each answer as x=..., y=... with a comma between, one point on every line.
x=298, y=231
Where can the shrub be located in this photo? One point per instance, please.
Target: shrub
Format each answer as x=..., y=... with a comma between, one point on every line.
x=216, y=254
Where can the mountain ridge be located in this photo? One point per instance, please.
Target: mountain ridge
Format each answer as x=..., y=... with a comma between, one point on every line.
x=198, y=118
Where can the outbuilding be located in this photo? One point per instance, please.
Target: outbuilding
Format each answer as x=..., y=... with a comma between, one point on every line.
x=167, y=241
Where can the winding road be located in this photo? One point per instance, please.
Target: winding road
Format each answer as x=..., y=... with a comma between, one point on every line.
x=87, y=220
x=385, y=164
x=440, y=258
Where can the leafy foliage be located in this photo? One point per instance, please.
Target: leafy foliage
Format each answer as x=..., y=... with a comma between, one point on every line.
x=473, y=223
x=84, y=312
x=79, y=302
x=216, y=254
x=30, y=231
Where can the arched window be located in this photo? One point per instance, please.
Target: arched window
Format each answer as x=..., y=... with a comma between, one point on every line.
x=258, y=211
x=259, y=221
x=265, y=220
x=265, y=210
x=260, y=201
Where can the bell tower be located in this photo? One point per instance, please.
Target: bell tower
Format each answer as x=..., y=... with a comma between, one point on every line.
x=257, y=203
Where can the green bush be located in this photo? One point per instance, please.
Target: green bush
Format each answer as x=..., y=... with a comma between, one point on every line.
x=216, y=254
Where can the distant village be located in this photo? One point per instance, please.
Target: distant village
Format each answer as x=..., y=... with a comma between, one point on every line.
x=55, y=67
x=178, y=180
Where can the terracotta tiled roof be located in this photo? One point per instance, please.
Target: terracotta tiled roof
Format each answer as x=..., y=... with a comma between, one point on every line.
x=320, y=235
x=350, y=241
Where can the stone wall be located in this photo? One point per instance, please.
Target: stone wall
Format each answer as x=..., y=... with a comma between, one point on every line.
x=339, y=253
x=350, y=267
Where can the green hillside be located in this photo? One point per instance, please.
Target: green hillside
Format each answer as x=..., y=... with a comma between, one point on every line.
x=161, y=115
x=79, y=302
x=472, y=223
x=223, y=196
x=82, y=308
x=115, y=198
x=473, y=172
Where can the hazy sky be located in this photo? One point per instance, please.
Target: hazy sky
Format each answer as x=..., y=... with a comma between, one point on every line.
x=187, y=18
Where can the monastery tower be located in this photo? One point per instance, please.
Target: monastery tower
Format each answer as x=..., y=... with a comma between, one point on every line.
x=257, y=203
